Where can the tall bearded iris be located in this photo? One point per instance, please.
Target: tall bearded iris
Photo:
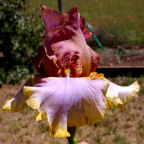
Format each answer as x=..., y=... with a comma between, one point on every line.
x=68, y=92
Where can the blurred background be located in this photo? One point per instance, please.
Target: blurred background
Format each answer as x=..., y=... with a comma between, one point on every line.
x=119, y=27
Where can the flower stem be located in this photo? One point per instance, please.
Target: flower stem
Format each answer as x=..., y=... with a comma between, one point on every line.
x=72, y=139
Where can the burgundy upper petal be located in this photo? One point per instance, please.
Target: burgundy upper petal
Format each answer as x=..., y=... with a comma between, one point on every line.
x=65, y=45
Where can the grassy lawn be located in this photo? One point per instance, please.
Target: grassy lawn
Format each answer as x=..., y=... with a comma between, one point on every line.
x=119, y=18
x=120, y=126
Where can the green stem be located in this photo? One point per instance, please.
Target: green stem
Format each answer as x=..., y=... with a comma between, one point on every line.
x=72, y=139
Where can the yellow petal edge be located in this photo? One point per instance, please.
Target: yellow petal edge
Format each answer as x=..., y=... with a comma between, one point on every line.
x=120, y=101
x=7, y=105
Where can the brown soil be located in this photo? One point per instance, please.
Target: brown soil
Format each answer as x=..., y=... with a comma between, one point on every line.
x=122, y=56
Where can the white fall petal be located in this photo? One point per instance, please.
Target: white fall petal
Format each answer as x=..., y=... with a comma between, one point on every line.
x=68, y=102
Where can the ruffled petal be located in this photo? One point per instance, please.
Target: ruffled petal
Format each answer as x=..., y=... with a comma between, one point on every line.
x=53, y=19
x=120, y=95
x=68, y=102
x=87, y=34
x=95, y=59
x=65, y=46
x=50, y=65
x=74, y=54
x=18, y=102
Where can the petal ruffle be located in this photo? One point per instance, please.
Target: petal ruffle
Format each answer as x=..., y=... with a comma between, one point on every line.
x=18, y=102
x=74, y=54
x=68, y=101
x=120, y=95
x=87, y=34
x=53, y=19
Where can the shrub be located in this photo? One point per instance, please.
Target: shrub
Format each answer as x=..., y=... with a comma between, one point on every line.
x=19, y=40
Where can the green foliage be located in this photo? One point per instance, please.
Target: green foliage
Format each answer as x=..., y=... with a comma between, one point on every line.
x=19, y=40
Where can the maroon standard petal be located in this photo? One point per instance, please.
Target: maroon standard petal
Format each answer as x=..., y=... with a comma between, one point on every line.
x=65, y=45
x=87, y=34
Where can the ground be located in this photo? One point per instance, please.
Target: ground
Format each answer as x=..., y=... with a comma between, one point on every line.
x=120, y=126
x=123, y=56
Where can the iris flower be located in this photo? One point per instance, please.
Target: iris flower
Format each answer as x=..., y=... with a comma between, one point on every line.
x=67, y=92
